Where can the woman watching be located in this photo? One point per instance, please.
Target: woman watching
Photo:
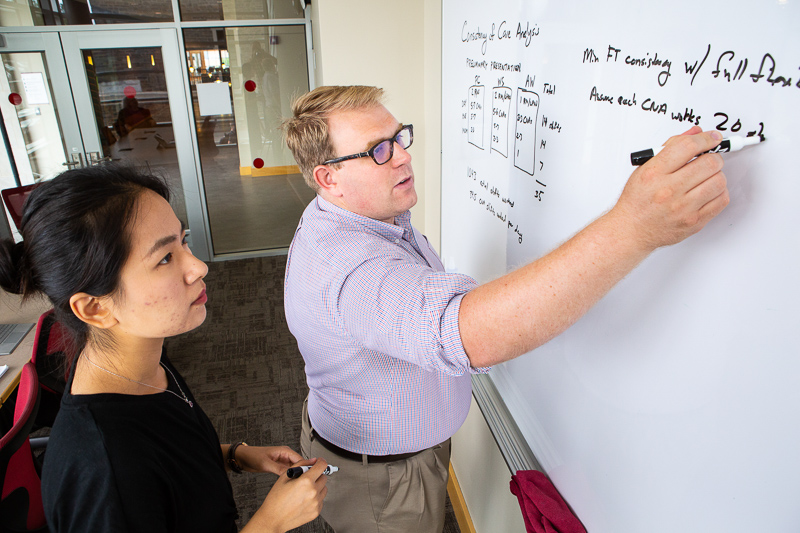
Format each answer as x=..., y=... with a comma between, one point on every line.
x=131, y=449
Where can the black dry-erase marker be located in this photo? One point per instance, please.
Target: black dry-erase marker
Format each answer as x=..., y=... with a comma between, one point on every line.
x=297, y=471
x=731, y=144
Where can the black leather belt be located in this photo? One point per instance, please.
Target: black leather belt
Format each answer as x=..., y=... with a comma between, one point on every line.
x=341, y=452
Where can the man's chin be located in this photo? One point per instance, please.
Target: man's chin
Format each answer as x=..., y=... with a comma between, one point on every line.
x=412, y=199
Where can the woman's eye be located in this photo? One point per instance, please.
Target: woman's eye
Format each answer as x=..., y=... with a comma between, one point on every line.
x=166, y=260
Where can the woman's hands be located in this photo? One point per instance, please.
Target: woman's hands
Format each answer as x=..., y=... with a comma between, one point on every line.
x=291, y=502
x=272, y=459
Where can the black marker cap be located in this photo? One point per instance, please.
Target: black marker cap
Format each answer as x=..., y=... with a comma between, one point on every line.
x=642, y=156
x=294, y=472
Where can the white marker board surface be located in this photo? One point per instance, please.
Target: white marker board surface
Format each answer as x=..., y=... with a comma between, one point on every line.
x=674, y=404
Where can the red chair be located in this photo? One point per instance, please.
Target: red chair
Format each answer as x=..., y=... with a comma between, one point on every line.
x=49, y=348
x=21, y=502
x=15, y=201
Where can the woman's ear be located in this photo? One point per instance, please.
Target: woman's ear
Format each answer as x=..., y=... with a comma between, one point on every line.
x=93, y=310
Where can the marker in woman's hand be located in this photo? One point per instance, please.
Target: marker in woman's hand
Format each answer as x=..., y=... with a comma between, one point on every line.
x=731, y=144
x=297, y=471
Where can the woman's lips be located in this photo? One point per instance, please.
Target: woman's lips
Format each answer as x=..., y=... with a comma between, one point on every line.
x=201, y=299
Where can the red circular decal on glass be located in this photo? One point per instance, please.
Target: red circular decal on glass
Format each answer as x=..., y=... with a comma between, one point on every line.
x=15, y=98
x=258, y=162
x=129, y=91
x=249, y=86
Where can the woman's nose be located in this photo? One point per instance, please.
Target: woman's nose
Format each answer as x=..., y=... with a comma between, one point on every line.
x=196, y=269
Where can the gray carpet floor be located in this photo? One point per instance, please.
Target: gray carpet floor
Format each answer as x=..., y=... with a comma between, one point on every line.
x=245, y=370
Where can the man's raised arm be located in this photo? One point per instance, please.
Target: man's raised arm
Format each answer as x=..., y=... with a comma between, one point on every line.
x=665, y=201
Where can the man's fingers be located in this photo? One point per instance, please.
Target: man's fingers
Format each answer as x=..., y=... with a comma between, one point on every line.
x=692, y=131
x=709, y=191
x=699, y=172
x=681, y=149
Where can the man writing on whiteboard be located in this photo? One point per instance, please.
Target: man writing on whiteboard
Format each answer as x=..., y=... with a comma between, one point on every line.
x=389, y=339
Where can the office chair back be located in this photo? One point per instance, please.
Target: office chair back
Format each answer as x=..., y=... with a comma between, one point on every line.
x=14, y=199
x=21, y=499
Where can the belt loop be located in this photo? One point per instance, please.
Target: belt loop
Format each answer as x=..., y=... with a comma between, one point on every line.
x=364, y=459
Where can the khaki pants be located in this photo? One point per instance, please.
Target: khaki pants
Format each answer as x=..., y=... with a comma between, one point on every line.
x=399, y=497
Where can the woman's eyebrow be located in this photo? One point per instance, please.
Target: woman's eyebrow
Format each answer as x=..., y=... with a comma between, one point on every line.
x=160, y=243
x=163, y=241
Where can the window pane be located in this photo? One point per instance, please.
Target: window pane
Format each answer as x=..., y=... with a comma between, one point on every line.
x=243, y=80
x=240, y=9
x=64, y=12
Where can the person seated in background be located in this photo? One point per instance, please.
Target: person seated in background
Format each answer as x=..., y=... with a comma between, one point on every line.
x=131, y=449
x=131, y=116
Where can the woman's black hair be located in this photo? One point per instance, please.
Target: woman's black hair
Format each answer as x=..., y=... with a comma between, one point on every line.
x=76, y=237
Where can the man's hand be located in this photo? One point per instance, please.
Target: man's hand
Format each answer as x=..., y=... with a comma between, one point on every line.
x=672, y=197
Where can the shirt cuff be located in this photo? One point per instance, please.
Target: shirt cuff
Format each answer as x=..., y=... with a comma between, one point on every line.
x=451, y=337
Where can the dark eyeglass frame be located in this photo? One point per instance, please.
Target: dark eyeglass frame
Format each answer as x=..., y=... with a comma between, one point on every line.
x=371, y=152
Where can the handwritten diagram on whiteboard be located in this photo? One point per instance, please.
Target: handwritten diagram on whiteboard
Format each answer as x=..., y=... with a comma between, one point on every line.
x=521, y=96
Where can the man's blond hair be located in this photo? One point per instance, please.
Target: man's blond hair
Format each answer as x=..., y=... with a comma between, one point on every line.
x=307, y=134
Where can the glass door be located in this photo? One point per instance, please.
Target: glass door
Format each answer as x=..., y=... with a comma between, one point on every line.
x=131, y=104
x=121, y=97
x=242, y=81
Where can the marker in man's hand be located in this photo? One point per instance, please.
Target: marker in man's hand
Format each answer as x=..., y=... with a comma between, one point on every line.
x=731, y=144
x=297, y=471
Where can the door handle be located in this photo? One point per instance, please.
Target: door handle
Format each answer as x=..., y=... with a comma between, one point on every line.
x=77, y=161
x=94, y=158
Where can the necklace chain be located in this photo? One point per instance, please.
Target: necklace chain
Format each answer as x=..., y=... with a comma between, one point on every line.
x=183, y=394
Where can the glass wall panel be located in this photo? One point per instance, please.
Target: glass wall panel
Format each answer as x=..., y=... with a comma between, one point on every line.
x=31, y=119
x=243, y=81
x=240, y=9
x=31, y=131
x=64, y=12
x=131, y=108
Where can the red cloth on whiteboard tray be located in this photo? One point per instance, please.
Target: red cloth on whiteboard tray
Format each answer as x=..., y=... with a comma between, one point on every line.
x=543, y=508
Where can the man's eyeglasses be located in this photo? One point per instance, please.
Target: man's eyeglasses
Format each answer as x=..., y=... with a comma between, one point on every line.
x=383, y=151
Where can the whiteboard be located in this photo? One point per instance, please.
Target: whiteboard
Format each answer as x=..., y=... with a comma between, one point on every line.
x=674, y=404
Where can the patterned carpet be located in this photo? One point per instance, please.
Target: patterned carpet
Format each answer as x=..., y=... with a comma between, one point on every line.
x=244, y=368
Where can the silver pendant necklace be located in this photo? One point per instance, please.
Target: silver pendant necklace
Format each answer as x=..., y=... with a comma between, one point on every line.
x=184, y=398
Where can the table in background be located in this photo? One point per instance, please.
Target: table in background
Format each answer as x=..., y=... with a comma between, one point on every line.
x=13, y=311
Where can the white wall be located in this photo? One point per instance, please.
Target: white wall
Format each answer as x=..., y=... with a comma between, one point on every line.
x=484, y=477
x=381, y=44
x=397, y=46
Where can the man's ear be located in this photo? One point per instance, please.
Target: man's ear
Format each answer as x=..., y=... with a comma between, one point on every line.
x=93, y=310
x=326, y=180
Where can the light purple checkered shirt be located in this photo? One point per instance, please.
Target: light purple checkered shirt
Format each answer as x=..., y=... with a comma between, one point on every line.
x=376, y=319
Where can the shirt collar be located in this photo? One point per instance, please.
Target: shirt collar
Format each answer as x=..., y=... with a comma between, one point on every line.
x=388, y=231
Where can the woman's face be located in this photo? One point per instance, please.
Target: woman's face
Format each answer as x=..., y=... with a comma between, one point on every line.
x=162, y=292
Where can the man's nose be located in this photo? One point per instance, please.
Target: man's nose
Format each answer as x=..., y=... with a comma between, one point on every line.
x=400, y=155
